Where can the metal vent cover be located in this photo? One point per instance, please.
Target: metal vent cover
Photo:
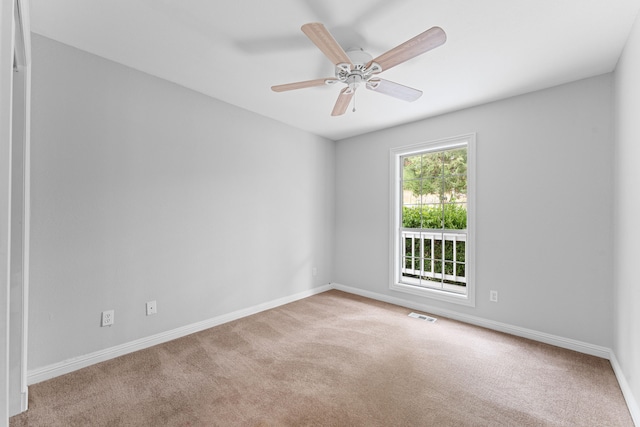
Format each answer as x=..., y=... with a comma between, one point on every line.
x=422, y=317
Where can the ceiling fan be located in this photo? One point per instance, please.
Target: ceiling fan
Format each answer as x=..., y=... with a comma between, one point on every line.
x=357, y=67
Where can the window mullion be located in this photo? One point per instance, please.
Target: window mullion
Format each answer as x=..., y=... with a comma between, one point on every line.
x=455, y=258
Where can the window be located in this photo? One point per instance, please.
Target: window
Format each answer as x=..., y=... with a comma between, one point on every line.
x=432, y=219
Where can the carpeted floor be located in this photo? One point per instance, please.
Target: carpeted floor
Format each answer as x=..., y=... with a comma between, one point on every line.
x=336, y=359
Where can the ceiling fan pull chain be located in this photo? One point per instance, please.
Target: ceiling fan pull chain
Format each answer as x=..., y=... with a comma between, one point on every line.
x=354, y=102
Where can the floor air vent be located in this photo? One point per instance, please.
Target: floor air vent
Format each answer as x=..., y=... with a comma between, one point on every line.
x=423, y=317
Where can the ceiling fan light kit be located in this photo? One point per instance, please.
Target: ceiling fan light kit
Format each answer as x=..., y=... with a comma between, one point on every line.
x=357, y=67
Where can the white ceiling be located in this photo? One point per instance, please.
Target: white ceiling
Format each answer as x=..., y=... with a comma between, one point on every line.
x=236, y=50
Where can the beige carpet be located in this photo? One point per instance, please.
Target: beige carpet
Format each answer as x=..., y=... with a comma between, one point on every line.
x=336, y=360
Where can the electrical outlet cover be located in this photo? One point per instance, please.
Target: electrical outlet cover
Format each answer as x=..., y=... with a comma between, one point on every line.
x=107, y=318
x=493, y=296
x=152, y=308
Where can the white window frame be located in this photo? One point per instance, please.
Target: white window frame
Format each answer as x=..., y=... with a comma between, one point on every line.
x=395, y=215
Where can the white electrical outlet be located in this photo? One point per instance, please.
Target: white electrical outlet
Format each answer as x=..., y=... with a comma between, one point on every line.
x=314, y=271
x=152, y=308
x=493, y=296
x=107, y=318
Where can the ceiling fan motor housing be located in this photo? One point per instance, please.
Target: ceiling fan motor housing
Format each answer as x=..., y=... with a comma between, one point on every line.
x=357, y=72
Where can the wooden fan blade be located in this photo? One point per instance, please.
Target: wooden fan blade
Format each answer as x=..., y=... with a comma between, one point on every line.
x=322, y=38
x=396, y=90
x=418, y=45
x=343, y=102
x=302, y=85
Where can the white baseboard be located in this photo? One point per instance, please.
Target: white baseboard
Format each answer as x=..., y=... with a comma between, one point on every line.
x=632, y=403
x=562, y=342
x=47, y=372
x=20, y=406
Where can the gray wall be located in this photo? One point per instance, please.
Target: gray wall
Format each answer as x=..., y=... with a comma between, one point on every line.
x=627, y=214
x=143, y=190
x=544, y=217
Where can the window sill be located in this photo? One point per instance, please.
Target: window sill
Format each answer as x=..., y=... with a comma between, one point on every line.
x=437, y=294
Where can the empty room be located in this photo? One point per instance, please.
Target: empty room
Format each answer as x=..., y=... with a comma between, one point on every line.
x=209, y=217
